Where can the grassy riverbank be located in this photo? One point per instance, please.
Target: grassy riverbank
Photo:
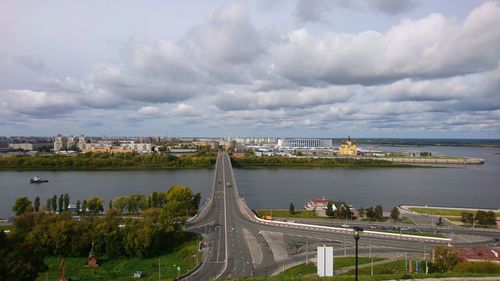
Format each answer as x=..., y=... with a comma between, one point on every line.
x=159, y=161
x=445, y=212
x=285, y=162
x=106, y=161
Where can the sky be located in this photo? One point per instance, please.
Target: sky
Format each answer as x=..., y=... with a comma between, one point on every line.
x=281, y=68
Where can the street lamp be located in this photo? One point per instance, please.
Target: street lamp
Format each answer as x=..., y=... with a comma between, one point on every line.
x=356, y=232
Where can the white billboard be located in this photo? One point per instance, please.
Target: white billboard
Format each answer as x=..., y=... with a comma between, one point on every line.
x=325, y=261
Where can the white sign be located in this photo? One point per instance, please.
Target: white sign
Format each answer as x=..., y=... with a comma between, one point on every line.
x=325, y=261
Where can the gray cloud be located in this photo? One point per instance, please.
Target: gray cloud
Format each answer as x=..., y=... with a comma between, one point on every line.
x=34, y=63
x=432, y=47
x=314, y=10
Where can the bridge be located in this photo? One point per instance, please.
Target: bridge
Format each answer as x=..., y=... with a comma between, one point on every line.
x=238, y=244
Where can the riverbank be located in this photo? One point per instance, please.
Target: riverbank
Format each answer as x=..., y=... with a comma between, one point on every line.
x=106, y=161
x=162, y=161
x=311, y=162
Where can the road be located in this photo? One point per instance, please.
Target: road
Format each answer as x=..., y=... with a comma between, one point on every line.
x=238, y=244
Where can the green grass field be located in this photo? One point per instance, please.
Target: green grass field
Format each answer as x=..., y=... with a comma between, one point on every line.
x=122, y=269
x=6, y=227
x=443, y=212
x=285, y=213
x=303, y=269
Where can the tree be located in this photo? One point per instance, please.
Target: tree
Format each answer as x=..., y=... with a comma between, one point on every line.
x=54, y=203
x=36, y=204
x=60, y=205
x=485, y=218
x=78, y=206
x=395, y=214
x=361, y=212
x=66, y=201
x=467, y=218
x=95, y=205
x=370, y=213
x=48, y=204
x=440, y=221
x=23, y=263
x=329, y=209
x=379, y=212
x=110, y=206
x=84, y=207
x=22, y=205
x=445, y=259
x=292, y=209
x=196, y=200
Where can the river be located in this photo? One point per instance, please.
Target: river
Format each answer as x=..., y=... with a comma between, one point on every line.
x=468, y=186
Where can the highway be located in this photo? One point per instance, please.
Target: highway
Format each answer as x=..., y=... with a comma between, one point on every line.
x=237, y=244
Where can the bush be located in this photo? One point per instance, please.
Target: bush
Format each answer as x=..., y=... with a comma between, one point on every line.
x=477, y=267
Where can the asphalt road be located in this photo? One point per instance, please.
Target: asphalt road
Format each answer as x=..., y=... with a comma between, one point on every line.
x=237, y=244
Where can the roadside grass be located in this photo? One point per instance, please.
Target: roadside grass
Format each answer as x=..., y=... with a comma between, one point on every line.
x=123, y=269
x=303, y=269
x=285, y=213
x=444, y=212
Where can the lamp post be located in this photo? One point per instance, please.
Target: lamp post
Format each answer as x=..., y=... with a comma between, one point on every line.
x=356, y=232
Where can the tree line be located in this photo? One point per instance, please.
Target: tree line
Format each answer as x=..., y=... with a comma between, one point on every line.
x=270, y=161
x=37, y=234
x=480, y=218
x=105, y=160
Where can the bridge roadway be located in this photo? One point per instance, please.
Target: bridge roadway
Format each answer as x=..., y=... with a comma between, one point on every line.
x=238, y=245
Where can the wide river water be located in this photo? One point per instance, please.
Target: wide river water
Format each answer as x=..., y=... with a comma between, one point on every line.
x=468, y=186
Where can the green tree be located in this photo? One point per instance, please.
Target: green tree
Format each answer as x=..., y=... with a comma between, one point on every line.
x=78, y=206
x=110, y=206
x=361, y=212
x=36, y=204
x=196, y=200
x=395, y=214
x=66, y=201
x=485, y=218
x=379, y=212
x=23, y=263
x=467, y=218
x=60, y=205
x=84, y=207
x=48, y=204
x=370, y=213
x=444, y=259
x=22, y=205
x=329, y=209
x=95, y=205
x=291, y=209
x=54, y=203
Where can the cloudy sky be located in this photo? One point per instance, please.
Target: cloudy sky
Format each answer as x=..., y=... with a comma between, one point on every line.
x=310, y=68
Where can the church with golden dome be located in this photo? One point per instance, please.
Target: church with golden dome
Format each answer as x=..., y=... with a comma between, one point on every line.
x=348, y=148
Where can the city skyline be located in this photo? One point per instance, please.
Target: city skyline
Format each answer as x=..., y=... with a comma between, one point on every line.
x=368, y=69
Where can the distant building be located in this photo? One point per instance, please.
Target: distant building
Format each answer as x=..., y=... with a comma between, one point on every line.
x=319, y=204
x=81, y=143
x=348, y=148
x=28, y=146
x=305, y=143
x=59, y=143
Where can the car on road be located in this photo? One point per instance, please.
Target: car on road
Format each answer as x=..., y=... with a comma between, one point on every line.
x=217, y=226
x=345, y=225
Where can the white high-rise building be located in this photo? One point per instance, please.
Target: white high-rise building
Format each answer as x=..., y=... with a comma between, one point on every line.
x=59, y=143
